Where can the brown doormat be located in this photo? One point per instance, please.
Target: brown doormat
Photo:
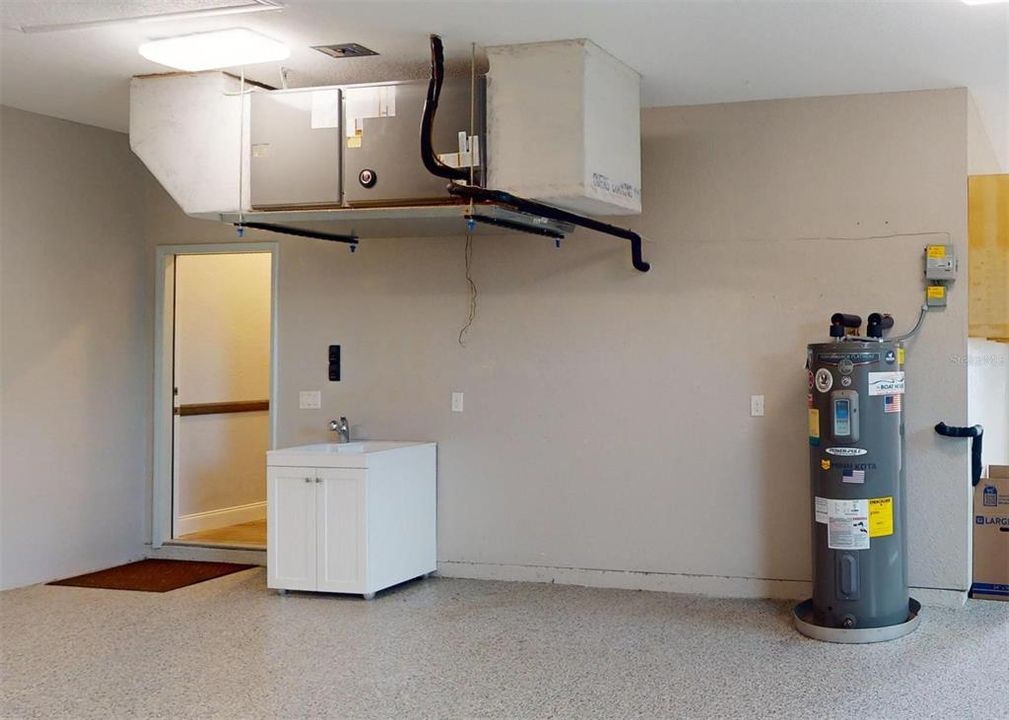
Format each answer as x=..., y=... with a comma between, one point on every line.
x=153, y=575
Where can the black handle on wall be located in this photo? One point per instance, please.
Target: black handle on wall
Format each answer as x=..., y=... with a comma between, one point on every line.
x=976, y=433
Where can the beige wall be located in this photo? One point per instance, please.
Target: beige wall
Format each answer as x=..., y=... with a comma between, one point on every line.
x=222, y=354
x=981, y=156
x=988, y=379
x=75, y=349
x=607, y=412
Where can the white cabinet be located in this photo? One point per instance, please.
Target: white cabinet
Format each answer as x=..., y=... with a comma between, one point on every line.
x=350, y=529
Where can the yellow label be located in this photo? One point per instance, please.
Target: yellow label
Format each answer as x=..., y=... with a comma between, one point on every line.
x=936, y=292
x=825, y=464
x=354, y=142
x=937, y=252
x=814, y=423
x=880, y=516
x=900, y=356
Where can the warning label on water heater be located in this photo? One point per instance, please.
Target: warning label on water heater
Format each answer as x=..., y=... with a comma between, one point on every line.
x=881, y=516
x=848, y=524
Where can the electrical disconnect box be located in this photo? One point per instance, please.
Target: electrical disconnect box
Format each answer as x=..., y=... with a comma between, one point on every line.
x=941, y=268
x=940, y=262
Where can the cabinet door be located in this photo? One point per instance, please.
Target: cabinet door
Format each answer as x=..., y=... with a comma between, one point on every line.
x=291, y=528
x=340, y=524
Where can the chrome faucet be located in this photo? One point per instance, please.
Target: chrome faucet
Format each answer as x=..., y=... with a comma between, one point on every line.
x=341, y=426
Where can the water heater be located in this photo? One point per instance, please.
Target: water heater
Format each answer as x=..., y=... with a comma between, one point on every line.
x=858, y=495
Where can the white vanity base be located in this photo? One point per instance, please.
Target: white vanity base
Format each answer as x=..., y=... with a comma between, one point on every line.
x=351, y=518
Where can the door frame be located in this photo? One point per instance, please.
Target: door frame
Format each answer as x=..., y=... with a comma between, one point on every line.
x=163, y=494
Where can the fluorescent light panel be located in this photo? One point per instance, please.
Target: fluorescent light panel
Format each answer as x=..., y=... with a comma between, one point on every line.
x=982, y=2
x=212, y=50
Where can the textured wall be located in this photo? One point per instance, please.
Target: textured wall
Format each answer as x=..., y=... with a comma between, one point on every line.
x=988, y=380
x=607, y=412
x=75, y=312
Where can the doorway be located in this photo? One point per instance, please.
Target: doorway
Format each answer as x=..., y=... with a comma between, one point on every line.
x=214, y=419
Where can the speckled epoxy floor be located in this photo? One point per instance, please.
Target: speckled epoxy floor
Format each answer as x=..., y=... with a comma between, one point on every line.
x=444, y=648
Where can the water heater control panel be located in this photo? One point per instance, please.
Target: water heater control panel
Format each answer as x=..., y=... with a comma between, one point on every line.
x=844, y=415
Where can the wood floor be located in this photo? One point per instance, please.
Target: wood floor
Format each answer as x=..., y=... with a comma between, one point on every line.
x=244, y=534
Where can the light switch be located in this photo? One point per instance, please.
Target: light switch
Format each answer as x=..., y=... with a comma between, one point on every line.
x=309, y=399
x=457, y=402
x=756, y=406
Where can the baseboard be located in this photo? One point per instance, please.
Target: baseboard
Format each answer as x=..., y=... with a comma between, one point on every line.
x=223, y=517
x=206, y=554
x=708, y=585
x=939, y=597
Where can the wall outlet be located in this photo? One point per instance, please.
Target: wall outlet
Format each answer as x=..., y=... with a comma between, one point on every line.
x=310, y=399
x=756, y=406
x=457, y=402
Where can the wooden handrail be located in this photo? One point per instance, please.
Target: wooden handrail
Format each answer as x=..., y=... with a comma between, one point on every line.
x=222, y=408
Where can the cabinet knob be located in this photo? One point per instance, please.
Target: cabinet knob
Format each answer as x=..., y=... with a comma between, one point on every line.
x=318, y=480
x=308, y=479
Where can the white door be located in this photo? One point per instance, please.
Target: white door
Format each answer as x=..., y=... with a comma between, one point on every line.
x=340, y=528
x=291, y=528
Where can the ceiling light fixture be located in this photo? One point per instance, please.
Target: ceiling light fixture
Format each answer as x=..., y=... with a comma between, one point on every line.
x=249, y=7
x=982, y=2
x=213, y=50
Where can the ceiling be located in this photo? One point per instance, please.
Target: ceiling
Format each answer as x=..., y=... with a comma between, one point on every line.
x=687, y=52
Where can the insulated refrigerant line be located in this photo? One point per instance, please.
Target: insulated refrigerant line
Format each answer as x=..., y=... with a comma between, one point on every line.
x=911, y=335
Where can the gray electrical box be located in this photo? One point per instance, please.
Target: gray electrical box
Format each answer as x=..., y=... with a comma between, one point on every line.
x=295, y=148
x=940, y=262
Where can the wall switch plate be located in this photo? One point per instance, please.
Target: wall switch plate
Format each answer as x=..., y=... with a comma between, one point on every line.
x=309, y=399
x=457, y=402
x=334, y=363
x=756, y=406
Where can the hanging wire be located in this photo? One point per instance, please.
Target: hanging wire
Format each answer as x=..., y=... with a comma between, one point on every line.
x=472, y=288
x=472, y=178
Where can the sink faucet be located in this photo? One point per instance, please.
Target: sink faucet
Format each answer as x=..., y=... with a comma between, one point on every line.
x=342, y=427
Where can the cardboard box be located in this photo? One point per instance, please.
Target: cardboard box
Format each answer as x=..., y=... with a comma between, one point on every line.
x=991, y=535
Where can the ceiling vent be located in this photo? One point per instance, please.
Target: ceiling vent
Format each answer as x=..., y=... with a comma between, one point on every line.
x=344, y=50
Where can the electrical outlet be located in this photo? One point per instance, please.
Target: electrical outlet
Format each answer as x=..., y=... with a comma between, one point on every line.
x=310, y=399
x=457, y=402
x=756, y=406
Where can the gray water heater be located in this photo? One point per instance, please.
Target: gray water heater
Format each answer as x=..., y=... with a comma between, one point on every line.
x=858, y=495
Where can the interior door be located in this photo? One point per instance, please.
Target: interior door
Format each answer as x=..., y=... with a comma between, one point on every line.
x=340, y=530
x=291, y=528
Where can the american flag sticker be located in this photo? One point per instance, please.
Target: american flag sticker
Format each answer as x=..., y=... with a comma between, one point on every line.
x=891, y=403
x=854, y=476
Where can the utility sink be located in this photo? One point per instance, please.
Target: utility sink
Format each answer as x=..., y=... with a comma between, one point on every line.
x=337, y=455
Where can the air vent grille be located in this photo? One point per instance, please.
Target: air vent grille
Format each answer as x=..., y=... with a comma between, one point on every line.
x=344, y=50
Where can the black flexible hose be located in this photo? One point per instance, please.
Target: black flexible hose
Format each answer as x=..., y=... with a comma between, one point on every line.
x=976, y=433
x=427, y=154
